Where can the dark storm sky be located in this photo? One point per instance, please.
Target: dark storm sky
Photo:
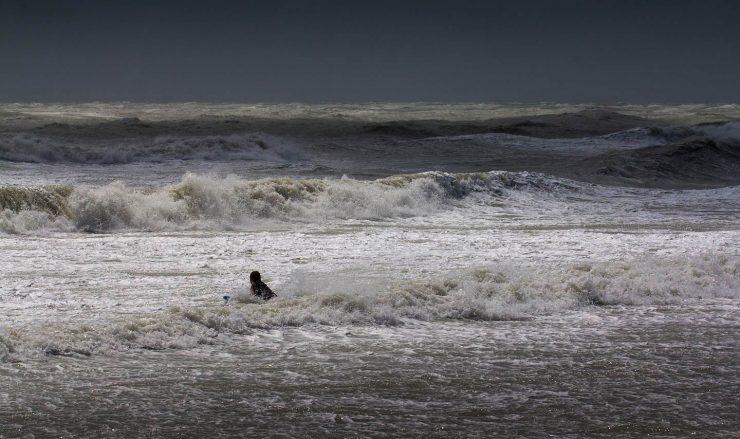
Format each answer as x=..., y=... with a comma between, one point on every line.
x=329, y=51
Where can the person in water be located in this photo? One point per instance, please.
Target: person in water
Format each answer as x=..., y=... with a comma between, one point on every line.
x=259, y=288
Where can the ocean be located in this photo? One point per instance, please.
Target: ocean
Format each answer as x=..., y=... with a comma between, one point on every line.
x=441, y=270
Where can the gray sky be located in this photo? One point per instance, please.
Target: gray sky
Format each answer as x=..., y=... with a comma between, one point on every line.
x=348, y=51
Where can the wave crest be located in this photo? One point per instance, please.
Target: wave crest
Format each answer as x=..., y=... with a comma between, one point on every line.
x=200, y=202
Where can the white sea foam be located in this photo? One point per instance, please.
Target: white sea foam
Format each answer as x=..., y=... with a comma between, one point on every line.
x=210, y=203
x=510, y=275
x=488, y=293
x=214, y=203
x=377, y=111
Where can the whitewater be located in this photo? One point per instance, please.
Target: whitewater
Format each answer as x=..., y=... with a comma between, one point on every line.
x=442, y=270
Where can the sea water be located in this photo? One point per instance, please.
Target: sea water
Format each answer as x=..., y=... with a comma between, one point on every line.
x=433, y=302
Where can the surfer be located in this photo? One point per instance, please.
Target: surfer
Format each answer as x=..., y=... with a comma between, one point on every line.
x=259, y=288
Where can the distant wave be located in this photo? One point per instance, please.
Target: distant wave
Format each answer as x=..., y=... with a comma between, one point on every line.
x=43, y=149
x=632, y=138
x=626, y=139
x=587, y=122
x=492, y=293
x=200, y=202
x=712, y=158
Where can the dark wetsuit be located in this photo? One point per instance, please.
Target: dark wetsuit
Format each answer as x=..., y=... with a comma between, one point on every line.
x=262, y=291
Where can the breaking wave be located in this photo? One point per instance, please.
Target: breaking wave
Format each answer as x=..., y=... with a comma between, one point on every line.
x=200, y=202
x=492, y=293
x=41, y=149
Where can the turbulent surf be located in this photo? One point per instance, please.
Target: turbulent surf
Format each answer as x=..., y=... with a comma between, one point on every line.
x=447, y=247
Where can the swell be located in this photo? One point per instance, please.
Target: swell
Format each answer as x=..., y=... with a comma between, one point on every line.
x=487, y=293
x=45, y=149
x=656, y=156
x=200, y=202
x=127, y=141
x=691, y=163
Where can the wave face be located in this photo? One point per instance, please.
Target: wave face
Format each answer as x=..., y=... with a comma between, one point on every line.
x=42, y=149
x=492, y=293
x=199, y=202
x=692, y=162
x=689, y=157
x=627, y=139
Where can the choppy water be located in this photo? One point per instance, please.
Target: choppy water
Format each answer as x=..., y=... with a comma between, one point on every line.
x=430, y=296
x=617, y=371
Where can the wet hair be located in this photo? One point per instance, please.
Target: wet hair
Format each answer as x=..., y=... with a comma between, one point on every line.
x=255, y=276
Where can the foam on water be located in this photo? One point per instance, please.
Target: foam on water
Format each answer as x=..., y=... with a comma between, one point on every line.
x=457, y=300
x=209, y=203
x=199, y=202
x=487, y=293
x=376, y=111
